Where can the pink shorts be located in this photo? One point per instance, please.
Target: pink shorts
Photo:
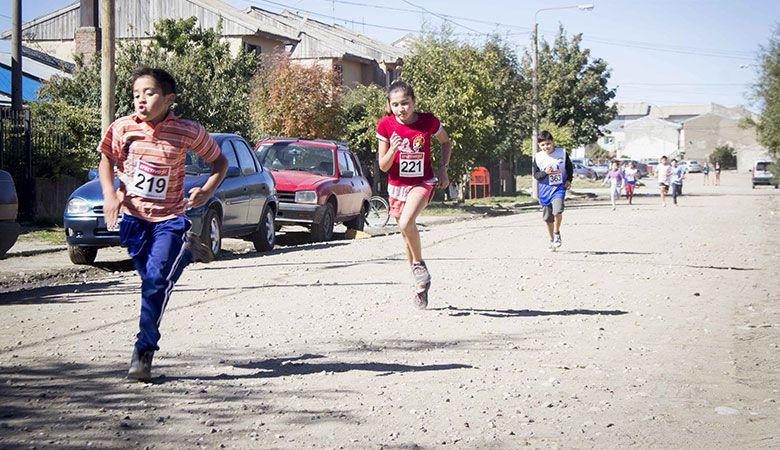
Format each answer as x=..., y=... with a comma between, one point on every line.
x=398, y=201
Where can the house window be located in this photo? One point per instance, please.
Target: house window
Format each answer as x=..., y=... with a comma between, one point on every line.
x=252, y=48
x=339, y=69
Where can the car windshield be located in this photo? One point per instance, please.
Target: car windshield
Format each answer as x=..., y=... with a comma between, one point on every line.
x=763, y=166
x=297, y=156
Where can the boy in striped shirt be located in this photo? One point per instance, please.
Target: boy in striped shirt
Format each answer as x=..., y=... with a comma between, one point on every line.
x=149, y=150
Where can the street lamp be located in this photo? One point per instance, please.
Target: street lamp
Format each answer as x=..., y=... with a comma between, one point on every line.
x=535, y=83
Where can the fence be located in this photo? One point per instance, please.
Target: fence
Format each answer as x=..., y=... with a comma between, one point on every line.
x=30, y=151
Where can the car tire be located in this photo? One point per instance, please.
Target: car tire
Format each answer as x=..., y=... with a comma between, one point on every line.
x=82, y=255
x=322, y=230
x=359, y=222
x=211, y=234
x=264, y=238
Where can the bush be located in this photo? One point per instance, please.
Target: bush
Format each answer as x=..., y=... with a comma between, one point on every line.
x=725, y=155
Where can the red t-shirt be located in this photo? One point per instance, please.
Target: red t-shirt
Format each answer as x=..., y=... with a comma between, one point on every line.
x=412, y=162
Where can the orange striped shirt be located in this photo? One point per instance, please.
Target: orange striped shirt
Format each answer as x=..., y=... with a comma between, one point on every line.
x=130, y=140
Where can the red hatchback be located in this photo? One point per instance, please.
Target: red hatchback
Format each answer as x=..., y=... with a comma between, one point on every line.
x=319, y=183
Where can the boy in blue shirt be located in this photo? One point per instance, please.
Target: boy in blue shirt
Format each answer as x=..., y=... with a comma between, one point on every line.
x=554, y=172
x=678, y=175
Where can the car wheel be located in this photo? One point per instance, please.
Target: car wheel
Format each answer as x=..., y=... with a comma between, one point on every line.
x=82, y=255
x=359, y=222
x=211, y=235
x=754, y=186
x=264, y=238
x=323, y=229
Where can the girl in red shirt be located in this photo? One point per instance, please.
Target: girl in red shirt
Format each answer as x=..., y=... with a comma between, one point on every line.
x=405, y=154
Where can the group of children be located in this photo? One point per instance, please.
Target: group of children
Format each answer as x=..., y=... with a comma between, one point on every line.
x=620, y=178
x=148, y=149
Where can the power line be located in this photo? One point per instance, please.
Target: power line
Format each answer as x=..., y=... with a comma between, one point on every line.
x=440, y=16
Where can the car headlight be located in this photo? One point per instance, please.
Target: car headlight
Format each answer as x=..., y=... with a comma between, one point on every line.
x=306, y=197
x=78, y=206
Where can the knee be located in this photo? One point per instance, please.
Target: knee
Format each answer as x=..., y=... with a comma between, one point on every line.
x=406, y=225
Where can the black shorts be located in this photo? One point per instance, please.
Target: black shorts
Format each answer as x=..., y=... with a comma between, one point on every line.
x=555, y=207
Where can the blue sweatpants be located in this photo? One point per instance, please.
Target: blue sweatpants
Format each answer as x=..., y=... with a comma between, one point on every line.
x=159, y=256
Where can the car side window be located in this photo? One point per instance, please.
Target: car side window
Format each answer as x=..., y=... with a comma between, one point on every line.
x=245, y=158
x=230, y=154
x=243, y=144
x=343, y=165
x=356, y=168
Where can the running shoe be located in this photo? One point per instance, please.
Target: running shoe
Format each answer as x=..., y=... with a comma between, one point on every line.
x=422, y=281
x=141, y=366
x=200, y=252
x=552, y=246
x=557, y=241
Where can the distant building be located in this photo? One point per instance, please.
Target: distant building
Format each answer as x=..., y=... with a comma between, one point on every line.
x=359, y=59
x=644, y=131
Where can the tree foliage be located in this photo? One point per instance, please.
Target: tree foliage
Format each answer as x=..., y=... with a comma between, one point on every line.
x=212, y=84
x=362, y=108
x=294, y=100
x=573, y=87
x=726, y=155
x=563, y=136
x=767, y=91
x=475, y=91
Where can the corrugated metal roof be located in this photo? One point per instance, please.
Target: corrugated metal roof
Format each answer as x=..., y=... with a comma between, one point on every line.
x=136, y=19
x=33, y=68
x=319, y=39
x=633, y=109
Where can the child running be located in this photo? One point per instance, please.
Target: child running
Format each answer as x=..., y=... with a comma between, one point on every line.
x=553, y=169
x=405, y=155
x=630, y=176
x=149, y=150
x=615, y=179
x=664, y=172
x=678, y=175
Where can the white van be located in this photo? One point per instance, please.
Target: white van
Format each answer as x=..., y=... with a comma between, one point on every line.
x=762, y=173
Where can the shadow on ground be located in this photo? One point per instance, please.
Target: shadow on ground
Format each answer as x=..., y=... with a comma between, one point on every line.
x=503, y=313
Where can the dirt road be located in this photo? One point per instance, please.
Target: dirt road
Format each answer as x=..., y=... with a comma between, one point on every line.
x=652, y=327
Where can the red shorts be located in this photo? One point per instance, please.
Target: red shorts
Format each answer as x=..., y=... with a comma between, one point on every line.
x=629, y=189
x=399, y=194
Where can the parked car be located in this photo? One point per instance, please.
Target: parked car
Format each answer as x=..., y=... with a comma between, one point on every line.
x=244, y=205
x=762, y=173
x=641, y=168
x=320, y=183
x=691, y=166
x=583, y=171
x=9, y=206
x=601, y=170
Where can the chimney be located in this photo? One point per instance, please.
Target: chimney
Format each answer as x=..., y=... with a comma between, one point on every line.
x=87, y=38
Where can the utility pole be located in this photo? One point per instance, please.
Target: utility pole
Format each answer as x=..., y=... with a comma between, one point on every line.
x=107, y=72
x=16, y=58
x=534, y=107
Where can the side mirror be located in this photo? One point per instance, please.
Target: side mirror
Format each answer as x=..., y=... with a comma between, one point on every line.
x=347, y=174
x=233, y=172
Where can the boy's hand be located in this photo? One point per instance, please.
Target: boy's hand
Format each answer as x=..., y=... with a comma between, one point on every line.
x=198, y=197
x=567, y=185
x=111, y=204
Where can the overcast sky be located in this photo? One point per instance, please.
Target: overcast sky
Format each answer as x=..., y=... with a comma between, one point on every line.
x=660, y=51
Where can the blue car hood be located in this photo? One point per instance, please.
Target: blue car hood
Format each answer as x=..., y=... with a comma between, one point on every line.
x=93, y=193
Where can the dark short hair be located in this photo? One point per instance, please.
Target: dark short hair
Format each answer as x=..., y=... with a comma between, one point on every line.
x=674, y=160
x=544, y=136
x=664, y=157
x=162, y=78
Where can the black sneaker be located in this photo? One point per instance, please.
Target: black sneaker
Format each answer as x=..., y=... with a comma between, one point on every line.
x=141, y=366
x=200, y=252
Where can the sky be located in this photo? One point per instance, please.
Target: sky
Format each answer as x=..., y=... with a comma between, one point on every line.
x=659, y=51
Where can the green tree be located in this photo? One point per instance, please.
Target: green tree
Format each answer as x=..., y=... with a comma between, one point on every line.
x=726, y=155
x=767, y=92
x=212, y=84
x=573, y=87
x=563, y=136
x=293, y=100
x=596, y=152
x=474, y=91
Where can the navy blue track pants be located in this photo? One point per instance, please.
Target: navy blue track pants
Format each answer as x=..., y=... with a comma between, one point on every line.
x=159, y=256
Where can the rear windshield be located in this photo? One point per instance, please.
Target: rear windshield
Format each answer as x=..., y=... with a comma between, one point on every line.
x=297, y=156
x=763, y=166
